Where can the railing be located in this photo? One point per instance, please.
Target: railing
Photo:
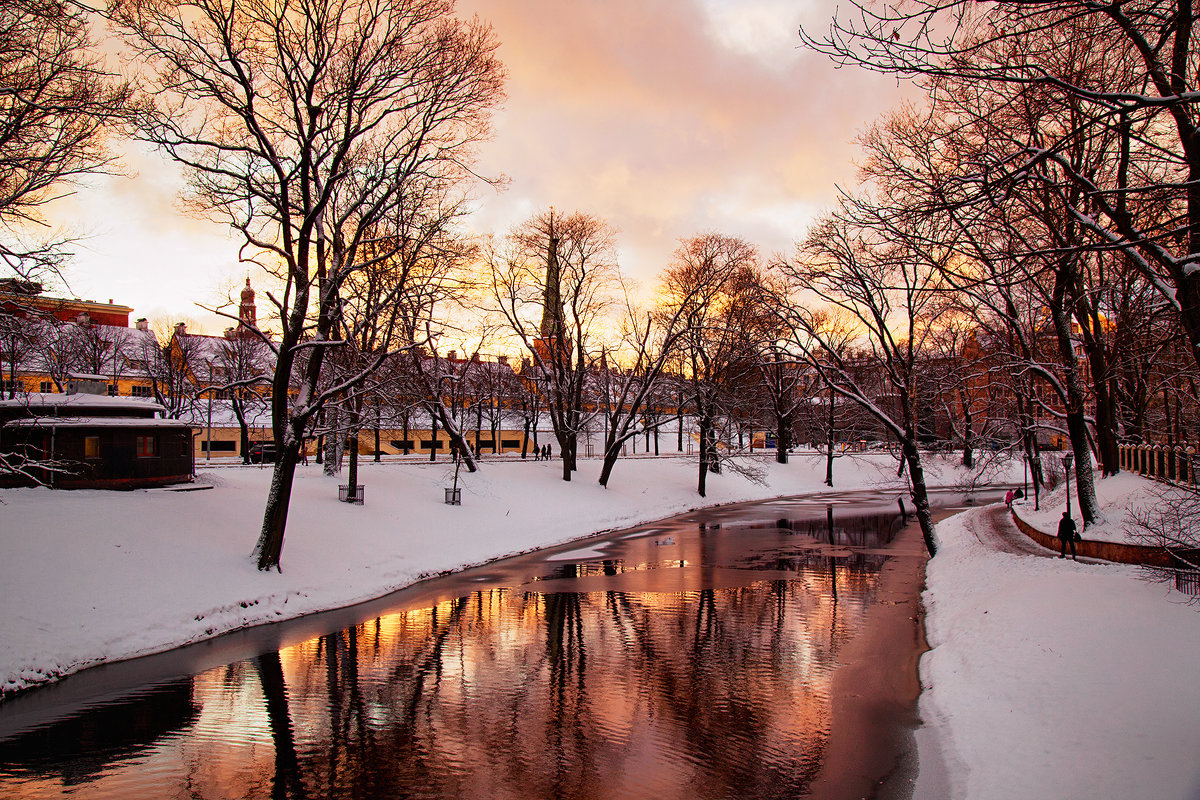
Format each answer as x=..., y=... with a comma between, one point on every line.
x=1188, y=581
x=1164, y=463
x=1179, y=465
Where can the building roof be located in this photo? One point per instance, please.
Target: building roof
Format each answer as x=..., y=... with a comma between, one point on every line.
x=97, y=422
x=84, y=402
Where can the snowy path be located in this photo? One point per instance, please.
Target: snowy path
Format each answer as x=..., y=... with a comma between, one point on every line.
x=994, y=528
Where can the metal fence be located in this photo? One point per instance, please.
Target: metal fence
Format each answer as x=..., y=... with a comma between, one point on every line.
x=1188, y=581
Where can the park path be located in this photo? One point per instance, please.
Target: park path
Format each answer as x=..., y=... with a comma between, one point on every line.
x=994, y=528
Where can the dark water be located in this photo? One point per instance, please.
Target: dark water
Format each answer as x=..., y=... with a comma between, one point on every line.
x=688, y=658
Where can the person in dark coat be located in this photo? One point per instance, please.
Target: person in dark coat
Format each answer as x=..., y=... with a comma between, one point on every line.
x=1066, y=535
x=546, y=452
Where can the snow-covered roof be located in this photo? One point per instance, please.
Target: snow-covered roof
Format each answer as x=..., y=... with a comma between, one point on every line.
x=97, y=422
x=35, y=400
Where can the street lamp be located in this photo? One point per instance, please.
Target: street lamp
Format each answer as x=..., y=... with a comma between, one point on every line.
x=1025, y=475
x=208, y=444
x=1067, y=460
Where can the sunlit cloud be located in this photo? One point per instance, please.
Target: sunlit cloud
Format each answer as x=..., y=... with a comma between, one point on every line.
x=666, y=119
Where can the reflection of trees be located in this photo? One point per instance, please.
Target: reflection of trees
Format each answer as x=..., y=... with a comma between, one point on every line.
x=82, y=747
x=702, y=692
x=287, y=770
x=712, y=692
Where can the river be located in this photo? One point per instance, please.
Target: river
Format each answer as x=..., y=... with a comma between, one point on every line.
x=695, y=657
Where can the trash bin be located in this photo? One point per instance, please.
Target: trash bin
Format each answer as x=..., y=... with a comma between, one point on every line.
x=454, y=497
x=358, y=497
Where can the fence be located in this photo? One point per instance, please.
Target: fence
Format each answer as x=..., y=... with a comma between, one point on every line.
x=1171, y=464
x=1164, y=463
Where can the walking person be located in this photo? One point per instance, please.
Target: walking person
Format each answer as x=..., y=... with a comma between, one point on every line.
x=546, y=453
x=1067, y=534
x=1008, y=498
x=537, y=454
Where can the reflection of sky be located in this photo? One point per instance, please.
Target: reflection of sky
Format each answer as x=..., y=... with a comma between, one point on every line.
x=667, y=119
x=682, y=692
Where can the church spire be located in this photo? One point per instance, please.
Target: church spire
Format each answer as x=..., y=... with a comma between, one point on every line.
x=552, y=321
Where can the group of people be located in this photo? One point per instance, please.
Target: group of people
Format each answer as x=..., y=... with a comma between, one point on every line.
x=541, y=453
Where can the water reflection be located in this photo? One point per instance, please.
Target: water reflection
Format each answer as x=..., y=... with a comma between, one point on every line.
x=684, y=660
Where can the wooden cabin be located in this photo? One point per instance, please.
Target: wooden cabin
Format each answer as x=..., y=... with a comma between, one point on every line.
x=90, y=441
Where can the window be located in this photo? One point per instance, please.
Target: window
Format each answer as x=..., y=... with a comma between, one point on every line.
x=112, y=390
x=507, y=443
x=402, y=444
x=218, y=447
x=146, y=447
x=141, y=391
x=91, y=447
x=12, y=386
x=46, y=387
x=430, y=444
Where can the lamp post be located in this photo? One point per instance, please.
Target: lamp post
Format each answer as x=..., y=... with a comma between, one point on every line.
x=1067, y=460
x=1025, y=476
x=208, y=444
x=452, y=494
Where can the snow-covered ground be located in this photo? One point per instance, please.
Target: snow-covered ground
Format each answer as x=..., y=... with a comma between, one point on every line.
x=1048, y=679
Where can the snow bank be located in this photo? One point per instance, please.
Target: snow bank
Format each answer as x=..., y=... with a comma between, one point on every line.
x=1055, y=679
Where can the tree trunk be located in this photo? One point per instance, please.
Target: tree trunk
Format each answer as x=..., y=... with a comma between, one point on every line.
x=679, y=419
x=352, y=472
x=1076, y=423
x=830, y=442
x=270, y=540
x=920, y=495
x=433, y=425
x=968, y=452
x=239, y=411
x=566, y=448
x=783, y=438
x=612, y=452
x=334, y=443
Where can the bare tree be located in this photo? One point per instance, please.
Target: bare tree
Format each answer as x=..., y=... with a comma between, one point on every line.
x=712, y=287
x=649, y=342
x=176, y=368
x=1127, y=68
x=242, y=373
x=21, y=340
x=305, y=125
x=56, y=106
x=893, y=295
x=554, y=280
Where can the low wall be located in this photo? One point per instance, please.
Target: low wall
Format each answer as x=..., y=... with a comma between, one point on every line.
x=1106, y=551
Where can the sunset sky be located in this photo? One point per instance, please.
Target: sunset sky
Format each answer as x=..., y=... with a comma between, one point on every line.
x=667, y=118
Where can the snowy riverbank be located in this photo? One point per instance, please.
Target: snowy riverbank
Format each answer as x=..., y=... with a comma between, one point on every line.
x=1056, y=679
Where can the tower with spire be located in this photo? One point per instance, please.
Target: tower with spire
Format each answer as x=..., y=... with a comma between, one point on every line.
x=550, y=332
x=247, y=313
